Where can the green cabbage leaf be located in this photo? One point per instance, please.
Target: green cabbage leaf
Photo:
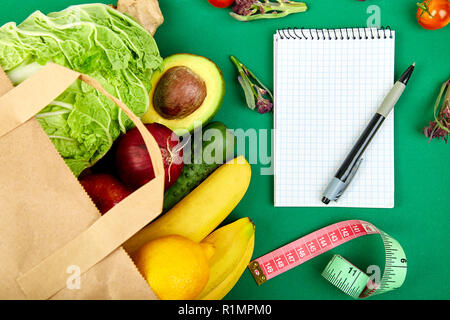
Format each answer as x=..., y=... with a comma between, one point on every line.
x=97, y=40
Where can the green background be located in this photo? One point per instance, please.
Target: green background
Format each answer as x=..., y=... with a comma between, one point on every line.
x=420, y=219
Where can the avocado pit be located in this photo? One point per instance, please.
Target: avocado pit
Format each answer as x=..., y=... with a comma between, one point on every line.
x=178, y=93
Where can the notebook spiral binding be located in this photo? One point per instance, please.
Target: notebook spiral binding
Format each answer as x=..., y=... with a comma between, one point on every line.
x=335, y=34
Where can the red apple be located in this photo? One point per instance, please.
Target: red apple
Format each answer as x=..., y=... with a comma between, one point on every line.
x=105, y=190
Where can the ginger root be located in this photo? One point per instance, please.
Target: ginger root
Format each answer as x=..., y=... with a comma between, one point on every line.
x=146, y=12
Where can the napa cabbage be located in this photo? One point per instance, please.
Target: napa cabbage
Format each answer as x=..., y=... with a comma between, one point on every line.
x=97, y=40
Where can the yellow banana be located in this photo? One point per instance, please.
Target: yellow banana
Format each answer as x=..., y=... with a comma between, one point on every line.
x=228, y=283
x=233, y=245
x=202, y=210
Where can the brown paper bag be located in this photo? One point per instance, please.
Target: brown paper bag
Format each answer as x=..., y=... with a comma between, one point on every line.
x=53, y=242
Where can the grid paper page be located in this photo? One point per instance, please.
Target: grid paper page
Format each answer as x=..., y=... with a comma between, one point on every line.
x=326, y=91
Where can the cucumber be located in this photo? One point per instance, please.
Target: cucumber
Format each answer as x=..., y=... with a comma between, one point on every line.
x=194, y=173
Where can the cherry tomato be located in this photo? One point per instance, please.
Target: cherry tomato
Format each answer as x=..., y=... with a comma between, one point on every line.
x=433, y=14
x=221, y=3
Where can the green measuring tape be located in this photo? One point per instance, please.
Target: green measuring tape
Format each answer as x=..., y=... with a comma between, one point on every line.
x=345, y=276
x=357, y=284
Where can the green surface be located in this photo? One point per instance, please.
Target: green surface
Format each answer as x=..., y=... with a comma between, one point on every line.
x=420, y=218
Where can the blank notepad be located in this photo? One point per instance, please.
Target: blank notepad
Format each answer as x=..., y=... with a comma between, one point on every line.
x=328, y=85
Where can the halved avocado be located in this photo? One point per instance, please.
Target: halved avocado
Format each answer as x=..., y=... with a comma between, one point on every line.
x=187, y=93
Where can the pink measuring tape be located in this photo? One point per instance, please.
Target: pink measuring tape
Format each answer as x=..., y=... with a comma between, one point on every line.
x=320, y=241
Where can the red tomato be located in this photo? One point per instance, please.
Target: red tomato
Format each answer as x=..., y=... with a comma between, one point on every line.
x=433, y=14
x=221, y=3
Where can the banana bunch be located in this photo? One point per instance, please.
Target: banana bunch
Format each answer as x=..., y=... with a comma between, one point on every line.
x=233, y=246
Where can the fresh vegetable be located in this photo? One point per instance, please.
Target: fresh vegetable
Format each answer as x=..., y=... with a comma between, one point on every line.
x=233, y=246
x=97, y=40
x=202, y=210
x=186, y=94
x=175, y=267
x=132, y=160
x=147, y=13
x=433, y=14
x=256, y=94
x=221, y=3
x=440, y=127
x=216, y=138
x=105, y=190
x=249, y=10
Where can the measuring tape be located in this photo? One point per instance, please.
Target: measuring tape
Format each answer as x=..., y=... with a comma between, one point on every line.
x=338, y=271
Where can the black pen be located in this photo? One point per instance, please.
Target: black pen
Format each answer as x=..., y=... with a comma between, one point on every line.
x=346, y=172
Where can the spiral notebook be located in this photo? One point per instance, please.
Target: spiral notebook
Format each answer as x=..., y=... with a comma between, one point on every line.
x=327, y=86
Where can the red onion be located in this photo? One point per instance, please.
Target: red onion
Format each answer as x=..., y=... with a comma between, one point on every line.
x=132, y=160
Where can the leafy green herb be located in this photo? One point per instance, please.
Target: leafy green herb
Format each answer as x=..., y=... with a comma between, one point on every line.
x=440, y=127
x=249, y=10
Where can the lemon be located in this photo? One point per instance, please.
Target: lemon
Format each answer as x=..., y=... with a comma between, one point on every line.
x=175, y=267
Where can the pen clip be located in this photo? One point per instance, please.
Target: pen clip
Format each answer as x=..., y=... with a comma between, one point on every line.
x=351, y=175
